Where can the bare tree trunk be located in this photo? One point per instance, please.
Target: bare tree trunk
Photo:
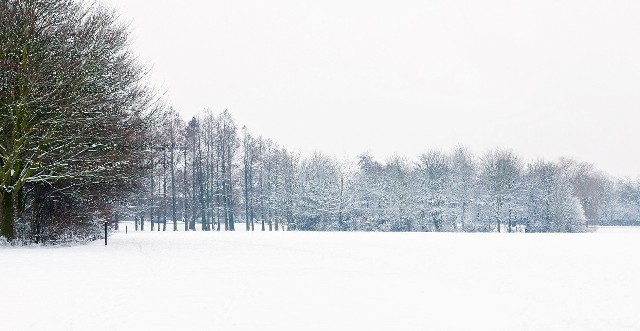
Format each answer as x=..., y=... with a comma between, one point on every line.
x=185, y=193
x=7, y=229
x=194, y=178
x=223, y=174
x=247, y=166
x=217, y=219
x=151, y=200
x=207, y=178
x=218, y=195
x=203, y=220
x=174, y=215
x=36, y=224
x=230, y=203
x=164, y=191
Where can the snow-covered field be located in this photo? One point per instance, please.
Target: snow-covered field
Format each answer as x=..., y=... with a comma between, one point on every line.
x=327, y=281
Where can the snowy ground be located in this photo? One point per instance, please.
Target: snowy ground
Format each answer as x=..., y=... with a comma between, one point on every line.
x=327, y=281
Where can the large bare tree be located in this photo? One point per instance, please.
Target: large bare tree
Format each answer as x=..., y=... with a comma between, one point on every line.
x=74, y=108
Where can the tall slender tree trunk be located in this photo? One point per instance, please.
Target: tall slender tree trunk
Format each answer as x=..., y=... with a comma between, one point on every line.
x=205, y=178
x=164, y=191
x=223, y=176
x=219, y=202
x=203, y=217
x=246, y=187
x=217, y=218
x=185, y=193
x=232, y=222
x=151, y=200
x=194, y=201
x=174, y=215
x=230, y=206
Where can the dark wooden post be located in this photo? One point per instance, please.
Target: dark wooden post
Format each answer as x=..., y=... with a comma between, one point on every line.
x=106, y=224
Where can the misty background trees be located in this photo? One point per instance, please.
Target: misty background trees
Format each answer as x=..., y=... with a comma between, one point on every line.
x=225, y=176
x=83, y=139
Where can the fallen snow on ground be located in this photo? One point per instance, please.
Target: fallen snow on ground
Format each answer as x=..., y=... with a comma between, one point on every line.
x=326, y=281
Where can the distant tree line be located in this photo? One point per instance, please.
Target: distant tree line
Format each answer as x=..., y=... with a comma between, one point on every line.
x=209, y=175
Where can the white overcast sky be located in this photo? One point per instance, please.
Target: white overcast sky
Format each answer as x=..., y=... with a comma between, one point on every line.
x=547, y=78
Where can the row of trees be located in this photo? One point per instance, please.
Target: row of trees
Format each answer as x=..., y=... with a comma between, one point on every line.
x=211, y=175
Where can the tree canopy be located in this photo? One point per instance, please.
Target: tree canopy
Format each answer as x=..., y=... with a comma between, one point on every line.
x=75, y=112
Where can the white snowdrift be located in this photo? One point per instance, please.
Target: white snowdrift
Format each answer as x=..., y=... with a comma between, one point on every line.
x=326, y=281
